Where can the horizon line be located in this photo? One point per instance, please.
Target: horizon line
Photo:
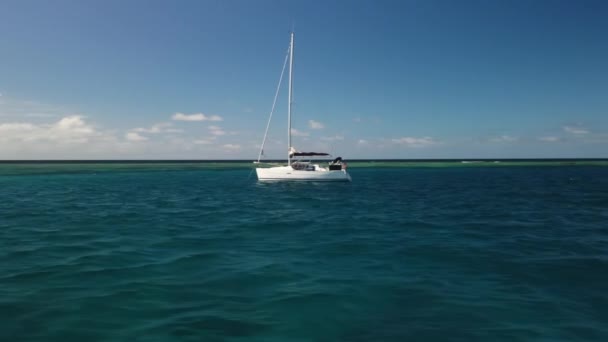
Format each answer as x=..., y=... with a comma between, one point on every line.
x=8, y=161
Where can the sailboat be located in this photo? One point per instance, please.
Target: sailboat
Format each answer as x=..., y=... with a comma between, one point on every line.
x=300, y=165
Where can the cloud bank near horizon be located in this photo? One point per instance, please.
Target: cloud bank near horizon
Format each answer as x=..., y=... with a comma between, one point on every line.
x=50, y=135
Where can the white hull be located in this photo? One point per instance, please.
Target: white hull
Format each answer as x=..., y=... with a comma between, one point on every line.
x=287, y=173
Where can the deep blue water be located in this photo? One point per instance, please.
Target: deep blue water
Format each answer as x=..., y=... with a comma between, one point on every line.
x=399, y=254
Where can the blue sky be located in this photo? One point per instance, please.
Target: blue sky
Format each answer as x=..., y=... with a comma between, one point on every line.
x=373, y=79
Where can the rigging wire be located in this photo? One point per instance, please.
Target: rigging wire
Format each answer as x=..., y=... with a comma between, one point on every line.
x=276, y=95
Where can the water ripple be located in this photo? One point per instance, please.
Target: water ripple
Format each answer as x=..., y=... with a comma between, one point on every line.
x=461, y=254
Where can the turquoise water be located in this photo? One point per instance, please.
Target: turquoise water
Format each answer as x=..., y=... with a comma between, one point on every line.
x=399, y=254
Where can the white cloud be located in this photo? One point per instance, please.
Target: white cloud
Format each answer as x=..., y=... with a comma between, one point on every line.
x=315, y=124
x=75, y=137
x=548, y=139
x=163, y=127
x=134, y=136
x=74, y=124
x=414, y=142
x=297, y=133
x=195, y=117
x=504, y=139
x=357, y=120
x=157, y=128
x=216, y=130
x=69, y=137
x=68, y=130
x=232, y=147
x=575, y=130
x=362, y=142
x=16, y=126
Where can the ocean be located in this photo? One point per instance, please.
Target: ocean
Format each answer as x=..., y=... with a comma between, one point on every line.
x=205, y=252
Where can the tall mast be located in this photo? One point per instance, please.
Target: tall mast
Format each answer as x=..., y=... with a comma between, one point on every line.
x=289, y=100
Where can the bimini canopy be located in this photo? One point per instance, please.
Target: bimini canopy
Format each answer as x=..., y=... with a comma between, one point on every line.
x=295, y=153
x=308, y=154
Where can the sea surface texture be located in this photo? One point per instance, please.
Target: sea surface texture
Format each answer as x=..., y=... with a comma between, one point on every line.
x=155, y=253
